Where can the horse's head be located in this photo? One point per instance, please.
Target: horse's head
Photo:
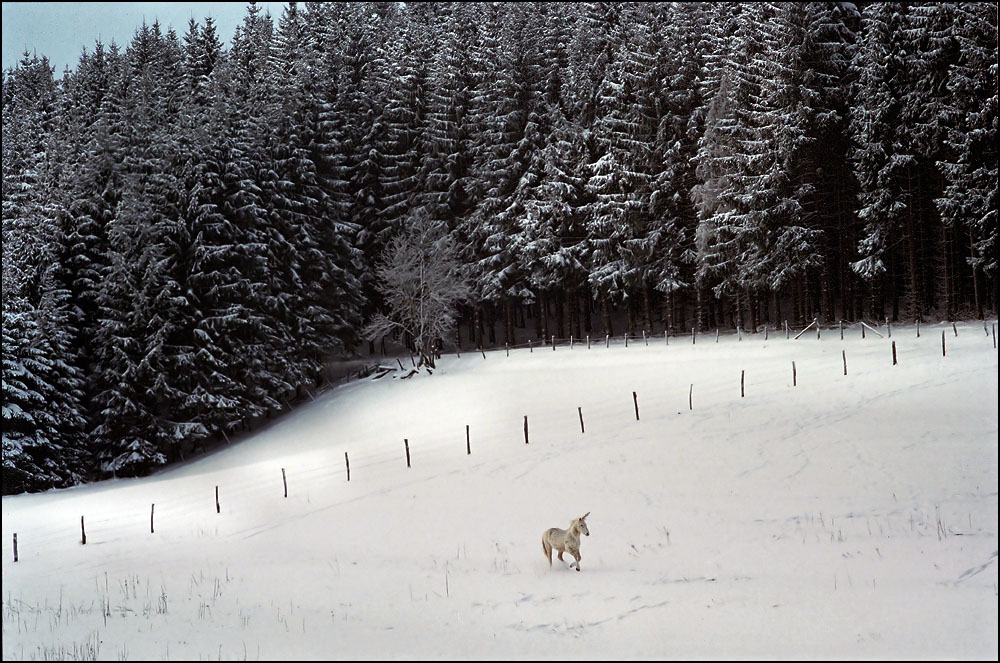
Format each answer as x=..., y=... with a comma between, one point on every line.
x=582, y=524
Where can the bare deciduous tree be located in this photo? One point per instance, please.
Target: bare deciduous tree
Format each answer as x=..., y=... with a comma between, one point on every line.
x=422, y=279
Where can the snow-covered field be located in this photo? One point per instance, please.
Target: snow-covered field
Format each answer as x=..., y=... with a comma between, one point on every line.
x=844, y=517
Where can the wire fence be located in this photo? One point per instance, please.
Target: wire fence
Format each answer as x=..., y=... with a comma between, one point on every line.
x=250, y=488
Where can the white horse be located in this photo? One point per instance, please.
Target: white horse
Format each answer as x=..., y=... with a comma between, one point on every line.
x=566, y=540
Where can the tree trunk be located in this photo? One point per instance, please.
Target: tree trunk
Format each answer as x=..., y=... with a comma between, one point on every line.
x=560, y=315
x=975, y=279
x=647, y=307
x=478, y=325
x=606, y=315
x=544, y=304
x=538, y=318
x=508, y=321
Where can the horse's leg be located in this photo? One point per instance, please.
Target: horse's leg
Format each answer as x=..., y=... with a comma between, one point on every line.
x=578, y=556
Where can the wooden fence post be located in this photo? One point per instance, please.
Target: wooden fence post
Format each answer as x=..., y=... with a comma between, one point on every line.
x=943, y=354
x=588, y=341
x=83, y=533
x=468, y=446
x=691, y=398
x=218, y=509
x=765, y=332
x=525, y=429
x=347, y=463
x=15, y=546
x=666, y=339
x=407, y=444
x=635, y=399
x=508, y=348
x=888, y=328
x=842, y=330
x=862, y=329
x=626, y=339
x=794, y=378
x=284, y=481
x=918, y=326
x=553, y=343
x=786, y=330
x=530, y=349
x=151, y=508
x=570, y=341
x=692, y=336
x=894, y=353
x=607, y=340
x=644, y=338
x=742, y=375
x=955, y=328
x=579, y=411
x=844, y=355
x=816, y=321
x=994, y=334
x=716, y=334
x=739, y=333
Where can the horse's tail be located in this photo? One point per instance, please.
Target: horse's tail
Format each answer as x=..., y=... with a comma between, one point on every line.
x=547, y=549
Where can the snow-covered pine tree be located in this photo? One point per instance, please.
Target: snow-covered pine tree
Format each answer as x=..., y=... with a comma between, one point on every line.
x=968, y=204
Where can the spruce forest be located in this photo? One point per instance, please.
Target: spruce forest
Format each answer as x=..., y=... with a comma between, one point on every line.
x=192, y=228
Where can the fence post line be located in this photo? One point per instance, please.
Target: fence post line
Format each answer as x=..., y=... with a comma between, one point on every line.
x=666, y=339
x=579, y=411
x=588, y=341
x=955, y=328
x=284, y=481
x=842, y=330
x=765, y=332
x=918, y=326
x=691, y=397
x=15, y=547
x=525, y=429
x=888, y=329
x=644, y=338
x=626, y=339
x=347, y=462
x=894, y=353
x=692, y=336
x=530, y=349
x=862, y=329
x=468, y=446
x=406, y=442
x=739, y=333
x=508, y=348
x=218, y=509
x=570, y=341
x=635, y=399
x=794, y=378
x=716, y=334
x=786, y=330
x=151, y=508
x=816, y=321
x=553, y=343
x=742, y=375
x=844, y=355
x=83, y=533
x=994, y=334
x=943, y=354
x=607, y=340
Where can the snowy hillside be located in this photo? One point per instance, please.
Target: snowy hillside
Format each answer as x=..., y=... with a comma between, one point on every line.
x=845, y=516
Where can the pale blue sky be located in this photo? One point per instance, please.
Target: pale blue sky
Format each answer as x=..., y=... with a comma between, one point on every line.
x=61, y=30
